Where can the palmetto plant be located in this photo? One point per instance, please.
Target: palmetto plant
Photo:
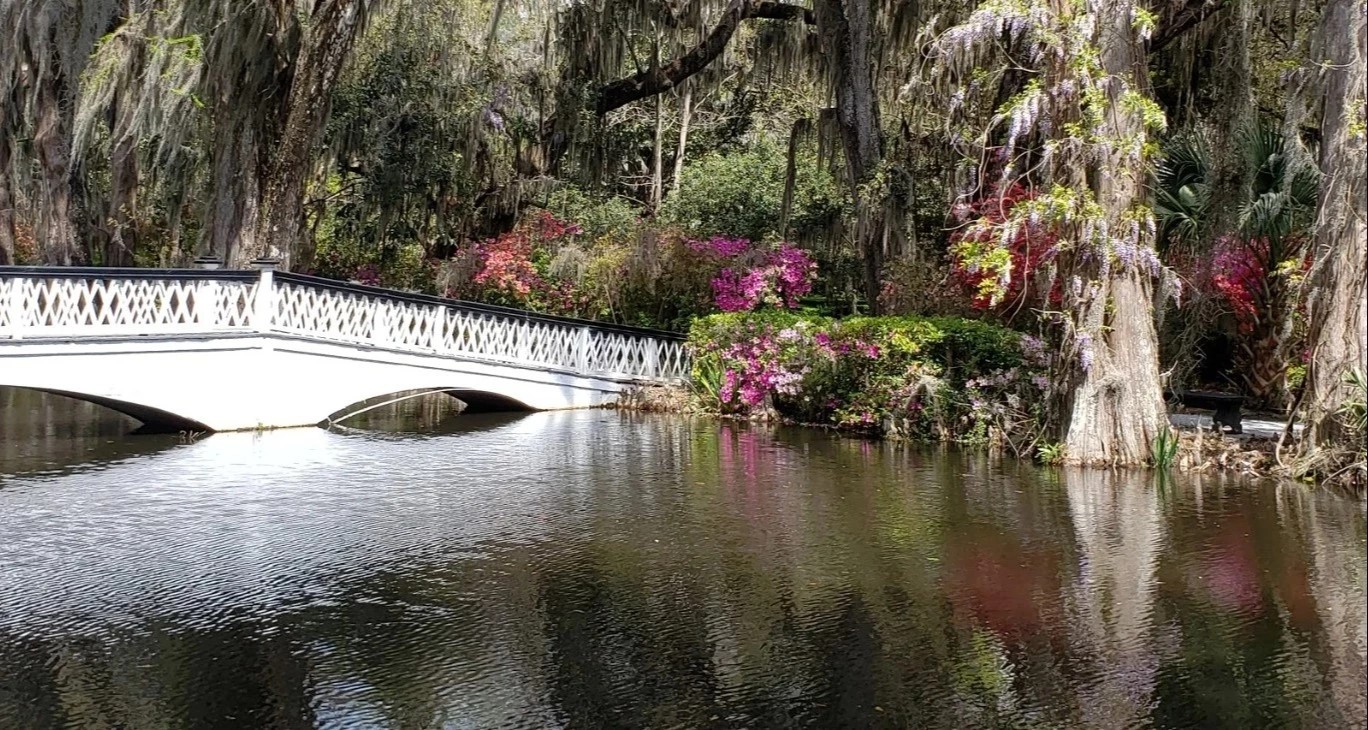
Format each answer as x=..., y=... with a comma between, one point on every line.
x=1284, y=185
x=1183, y=197
x=1274, y=211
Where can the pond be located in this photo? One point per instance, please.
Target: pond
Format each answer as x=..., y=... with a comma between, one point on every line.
x=424, y=569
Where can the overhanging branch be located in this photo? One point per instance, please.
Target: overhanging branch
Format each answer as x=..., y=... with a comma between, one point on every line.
x=1192, y=13
x=650, y=82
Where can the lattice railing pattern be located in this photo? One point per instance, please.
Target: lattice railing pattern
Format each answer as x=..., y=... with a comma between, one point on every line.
x=104, y=303
x=65, y=306
x=443, y=329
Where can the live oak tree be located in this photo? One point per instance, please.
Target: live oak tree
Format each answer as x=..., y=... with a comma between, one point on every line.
x=45, y=49
x=245, y=87
x=850, y=42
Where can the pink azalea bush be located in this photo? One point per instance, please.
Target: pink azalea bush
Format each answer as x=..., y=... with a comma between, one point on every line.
x=506, y=271
x=753, y=276
x=950, y=377
x=1236, y=272
x=661, y=278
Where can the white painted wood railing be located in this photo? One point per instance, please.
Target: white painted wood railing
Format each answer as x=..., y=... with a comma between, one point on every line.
x=45, y=303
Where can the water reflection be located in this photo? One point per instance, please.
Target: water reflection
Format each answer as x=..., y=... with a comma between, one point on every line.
x=609, y=569
x=50, y=434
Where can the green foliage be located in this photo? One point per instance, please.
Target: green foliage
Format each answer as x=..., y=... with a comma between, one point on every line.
x=401, y=130
x=706, y=381
x=1281, y=198
x=1354, y=411
x=1285, y=185
x=1296, y=376
x=969, y=346
x=742, y=194
x=1164, y=450
x=1051, y=453
x=597, y=214
x=1182, y=197
x=935, y=378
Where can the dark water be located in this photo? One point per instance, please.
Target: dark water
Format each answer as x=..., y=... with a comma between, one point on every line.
x=598, y=569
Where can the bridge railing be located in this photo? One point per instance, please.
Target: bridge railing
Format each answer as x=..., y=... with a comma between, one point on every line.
x=67, y=303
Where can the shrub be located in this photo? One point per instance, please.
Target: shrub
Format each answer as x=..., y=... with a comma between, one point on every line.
x=742, y=194
x=947, y=377
x=752, y=277
x=906, y=282
x=653, y=277
x=995, y=262
x=599, y=216
x=511, y=269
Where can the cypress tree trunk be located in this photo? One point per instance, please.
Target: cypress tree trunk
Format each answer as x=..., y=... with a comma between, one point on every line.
x=1338, y=302
x=1115, y=409
x=1232, y=114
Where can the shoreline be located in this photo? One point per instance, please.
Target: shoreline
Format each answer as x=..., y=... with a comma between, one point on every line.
x=1199, y=450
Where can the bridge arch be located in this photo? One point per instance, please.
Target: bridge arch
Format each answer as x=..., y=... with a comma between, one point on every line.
x=471, y=401
x=152, y=420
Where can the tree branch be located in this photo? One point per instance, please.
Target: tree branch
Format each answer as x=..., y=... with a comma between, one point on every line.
x=1192, y=13
x=652, y=81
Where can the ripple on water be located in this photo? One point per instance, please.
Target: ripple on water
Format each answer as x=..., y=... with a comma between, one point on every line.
x=594, y=569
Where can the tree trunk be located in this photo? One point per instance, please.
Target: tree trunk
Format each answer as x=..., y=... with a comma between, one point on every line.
x=658, y=157
x=847, y=35
x=1338, y=301
x=7, y=235
x=230, y=231
x=685, y=114
x=791, y=175
x=122, y=240
x=1116, y=409
x=1233, y=113
x=57, y=242
x=1262, y=357
x=331, y=32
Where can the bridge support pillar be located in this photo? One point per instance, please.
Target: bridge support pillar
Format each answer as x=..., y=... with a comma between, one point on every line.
x=14, y=304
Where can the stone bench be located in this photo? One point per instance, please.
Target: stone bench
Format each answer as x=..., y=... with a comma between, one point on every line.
x=1226, y=406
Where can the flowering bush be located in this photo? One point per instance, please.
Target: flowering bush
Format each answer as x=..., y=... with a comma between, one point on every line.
x=368, y=274
x=952, y=378
x=656, y=278
x=505, y=269
x=1253, y=281
x=752, y=277
x=992, y=260
x=1238, y=272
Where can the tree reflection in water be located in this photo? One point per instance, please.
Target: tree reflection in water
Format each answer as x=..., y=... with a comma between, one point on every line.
x=614, y=569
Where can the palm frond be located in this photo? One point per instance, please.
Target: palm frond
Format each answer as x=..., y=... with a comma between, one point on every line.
x=1182, y=196
x=1187, y=161
x=1182, y=214
x=1284, y=181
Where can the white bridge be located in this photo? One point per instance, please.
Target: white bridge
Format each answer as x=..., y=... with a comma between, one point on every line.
x=228, y=350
